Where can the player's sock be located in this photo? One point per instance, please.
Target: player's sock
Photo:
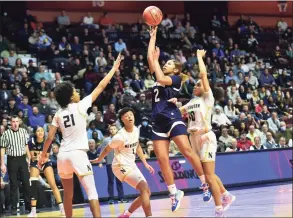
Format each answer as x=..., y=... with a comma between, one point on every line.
x=219, y=207
x=172, y=189
x=127, y=213
x=225, y=193
x=61, y=206
x=202, y=179
x=34, y=209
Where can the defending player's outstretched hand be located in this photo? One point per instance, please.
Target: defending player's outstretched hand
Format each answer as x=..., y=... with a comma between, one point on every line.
x=117, y=62
x=153, y=31
x=201, y=52
x=173, y=100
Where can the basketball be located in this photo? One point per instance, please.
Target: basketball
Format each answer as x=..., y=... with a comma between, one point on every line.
x=152, y=16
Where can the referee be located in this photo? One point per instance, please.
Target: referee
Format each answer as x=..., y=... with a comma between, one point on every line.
x=14, y=141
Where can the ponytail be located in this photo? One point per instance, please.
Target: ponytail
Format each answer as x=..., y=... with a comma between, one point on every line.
x=218, y=92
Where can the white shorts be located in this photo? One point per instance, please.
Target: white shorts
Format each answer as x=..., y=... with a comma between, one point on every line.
x=75, y=161
x=204, y=145
x=131, y=175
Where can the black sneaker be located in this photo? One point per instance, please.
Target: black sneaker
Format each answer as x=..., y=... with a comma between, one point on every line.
x=111, y=202
x=122, y=201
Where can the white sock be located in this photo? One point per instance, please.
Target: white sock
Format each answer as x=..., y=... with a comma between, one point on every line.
x=61, y=207
x=219, y=207
x=225, y=193
x=202, y=179
x=34, y=209
x=127, y=213
x=172, y=189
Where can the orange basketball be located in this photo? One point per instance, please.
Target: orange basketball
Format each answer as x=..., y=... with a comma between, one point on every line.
x=152, y=16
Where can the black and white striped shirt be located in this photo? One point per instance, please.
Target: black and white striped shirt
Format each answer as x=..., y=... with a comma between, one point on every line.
x=14, y=142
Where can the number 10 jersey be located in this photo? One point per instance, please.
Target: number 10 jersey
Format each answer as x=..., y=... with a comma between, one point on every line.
x=72, y=123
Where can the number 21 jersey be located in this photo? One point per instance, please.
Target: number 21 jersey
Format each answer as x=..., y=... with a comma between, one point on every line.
x=160, y=96
x=72, y=123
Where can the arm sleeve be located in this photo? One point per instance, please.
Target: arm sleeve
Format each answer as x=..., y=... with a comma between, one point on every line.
x=55, y=120
x=84, y=104
x=176, y=81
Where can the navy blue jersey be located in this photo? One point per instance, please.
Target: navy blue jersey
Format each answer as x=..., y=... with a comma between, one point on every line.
x=160, y=96
x=33, y=145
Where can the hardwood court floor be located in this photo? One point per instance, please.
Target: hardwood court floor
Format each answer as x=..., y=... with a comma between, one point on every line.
x=266, y=201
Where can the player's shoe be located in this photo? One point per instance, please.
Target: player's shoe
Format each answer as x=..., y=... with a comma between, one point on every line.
x=176, y=200
x=62, y=212
x=123, y=215
x=122, y=201
x=33, y=213
x=207, y=195
x=227, y=201
x=219, y=213
x=111, y=201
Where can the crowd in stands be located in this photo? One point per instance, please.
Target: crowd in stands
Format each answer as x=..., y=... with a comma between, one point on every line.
x=256, y=112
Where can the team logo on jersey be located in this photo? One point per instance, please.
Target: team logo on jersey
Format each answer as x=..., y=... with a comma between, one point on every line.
x=89, y=168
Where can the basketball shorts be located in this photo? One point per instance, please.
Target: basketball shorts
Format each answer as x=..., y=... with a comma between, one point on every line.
x=44, y=166
x=76, y=161
x=167, y=128
x=205, y=145
x=129, y=174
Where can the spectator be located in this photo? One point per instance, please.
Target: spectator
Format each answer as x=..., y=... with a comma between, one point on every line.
x=270, y=142
x=36, y=119
x=225, y=139
x=99, y=122
x=145, y=131
x=282, y=143
x=244, y=143
x=252, y=134
x=266, y=79
x=149, y=152
x=149, y=82
x=284, y=132
x=166, y=22
x=4, y=191
x=257, y=144
x=63, y=20
x=274, y=123
x=110, y=115
x=53, y=158
x=92, y=153
x=88, y=21
x=92, y=128
x=282, y=25
x=220, y=118
x=43, y=107
x=120, y=46
x=105, y=20
x=233, y=146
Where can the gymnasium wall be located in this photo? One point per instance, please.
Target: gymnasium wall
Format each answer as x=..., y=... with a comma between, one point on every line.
x=240, y=168
x=265, y=14
x=124, y=12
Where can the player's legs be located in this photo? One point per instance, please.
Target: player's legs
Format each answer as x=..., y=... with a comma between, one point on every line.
x=34, y=178
x=222, y=188
x=49, y=173
x=227, y=197
x=68, y=195
x=88, y=184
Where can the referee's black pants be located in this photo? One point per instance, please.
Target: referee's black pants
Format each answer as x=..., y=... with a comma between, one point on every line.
x=18, y=172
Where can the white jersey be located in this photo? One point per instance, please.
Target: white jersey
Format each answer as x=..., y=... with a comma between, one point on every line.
x=72, y=122
x=199, y=111
x=125, y=155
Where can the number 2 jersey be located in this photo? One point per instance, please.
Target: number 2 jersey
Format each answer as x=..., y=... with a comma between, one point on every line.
x=72, y=122
x=160, y=96
x=199, y=111
x=125, y=155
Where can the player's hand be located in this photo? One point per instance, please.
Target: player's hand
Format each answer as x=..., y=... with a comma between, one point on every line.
x=101, y=165
x=153, y=31
x=97, y=160
x=156, y=54
x=117, y=62
x=150, y=169
x=3, y=168
x=173, y=100
x=201, y=53
x=42, y=160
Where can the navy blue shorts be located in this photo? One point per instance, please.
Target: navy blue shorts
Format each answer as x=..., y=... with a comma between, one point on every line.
x=167, y=128
x=44, y=166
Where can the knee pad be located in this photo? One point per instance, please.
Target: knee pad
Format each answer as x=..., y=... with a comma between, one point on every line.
x=34, y=187
x=89, y=185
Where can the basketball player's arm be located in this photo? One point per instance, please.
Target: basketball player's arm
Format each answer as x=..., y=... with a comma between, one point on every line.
x=141, y=156
x=151, y=48
x=103, y=84
x=107, y=150
x=48, y=142
x=203, y=70
x=160, y=76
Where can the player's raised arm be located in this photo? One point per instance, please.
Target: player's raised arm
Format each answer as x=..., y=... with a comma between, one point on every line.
x=143, y=160
x=174, y=101
x=203, y=70
x=160, y=76
x=103, y=84
x=151, y=48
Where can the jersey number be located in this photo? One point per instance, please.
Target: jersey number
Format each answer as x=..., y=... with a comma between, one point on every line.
x=156, y=95
x=68, y=121
x=192, y=116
